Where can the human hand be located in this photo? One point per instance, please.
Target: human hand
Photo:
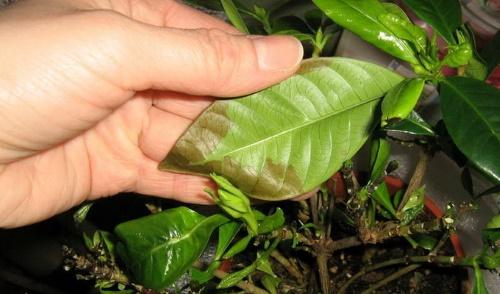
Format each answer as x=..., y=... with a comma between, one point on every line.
x=94, y=93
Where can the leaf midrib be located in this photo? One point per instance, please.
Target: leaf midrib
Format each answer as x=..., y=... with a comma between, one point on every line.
x=474, y=108
x=176, y=240
x=321, y=118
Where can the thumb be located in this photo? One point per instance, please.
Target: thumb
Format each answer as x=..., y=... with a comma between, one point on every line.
x=208, y=61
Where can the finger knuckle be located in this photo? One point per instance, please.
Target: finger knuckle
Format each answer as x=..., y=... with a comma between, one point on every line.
x=222, y=54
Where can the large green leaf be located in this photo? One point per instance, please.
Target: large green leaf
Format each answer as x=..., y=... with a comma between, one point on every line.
x=362, y=18
x=289, y=138
x=444, y=16
x=471, y=112
x=157, y=249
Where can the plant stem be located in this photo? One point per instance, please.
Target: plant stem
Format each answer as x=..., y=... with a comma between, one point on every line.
x=245, y=286
x=344, y=243
x=392, y=277
x=417, y=177
x=391, y=229
x=291, y=268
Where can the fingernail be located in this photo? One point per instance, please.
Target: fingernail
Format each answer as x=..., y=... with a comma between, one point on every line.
x=278, y=52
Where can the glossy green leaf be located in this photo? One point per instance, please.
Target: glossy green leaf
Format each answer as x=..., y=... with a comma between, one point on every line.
x=381, y=196
x=158, y=248
x=395, y=9
x=471, y=112
x=425, y=241
x=234, y=16
x=272, y=222
x=479, y=285
x=227, y=232
x=380, y=152
x=412, y=125
x=238, y=247
x=444, y=16
x=413, y=207
x=287, y=139
x=400, y=100
x=404, y=29
x=361, y=17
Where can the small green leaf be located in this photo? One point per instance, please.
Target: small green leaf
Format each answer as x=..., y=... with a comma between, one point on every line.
x=238, y=247
x=227, y=232
x=494, y=223
x=88, y=242
x=272, y=222
x=425, y=241
x=236, y=277
x=413, y=207
x=270, y=283
x=234, y=16
x=471, y=112
x=444, y=16
x=380, y=152
x=476, y=69
x=264, y=265
x=397, y=198
x=479, y=285
x=412, y=125
x=159, y=248
x=361, y=17
x=400, y=100
x=381, y=196
x=81, y=214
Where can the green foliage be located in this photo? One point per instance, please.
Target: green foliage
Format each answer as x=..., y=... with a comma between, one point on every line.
x=272, y=222
x=381, y=196
x=479, y=285
x=444, y=16
x=234, y=202
x=400, y=100
x=227, y=232
x=361, y=17
x=158, y=248
x=380, y=152
x=277, y=157
x=412, y=125
x=413, y=206
x=471, y=112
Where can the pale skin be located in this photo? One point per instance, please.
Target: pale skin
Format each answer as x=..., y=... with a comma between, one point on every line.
x=93, y=94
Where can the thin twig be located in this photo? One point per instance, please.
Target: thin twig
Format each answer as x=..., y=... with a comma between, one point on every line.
x=291, y=268
x=407, y=269
x=392, y=277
